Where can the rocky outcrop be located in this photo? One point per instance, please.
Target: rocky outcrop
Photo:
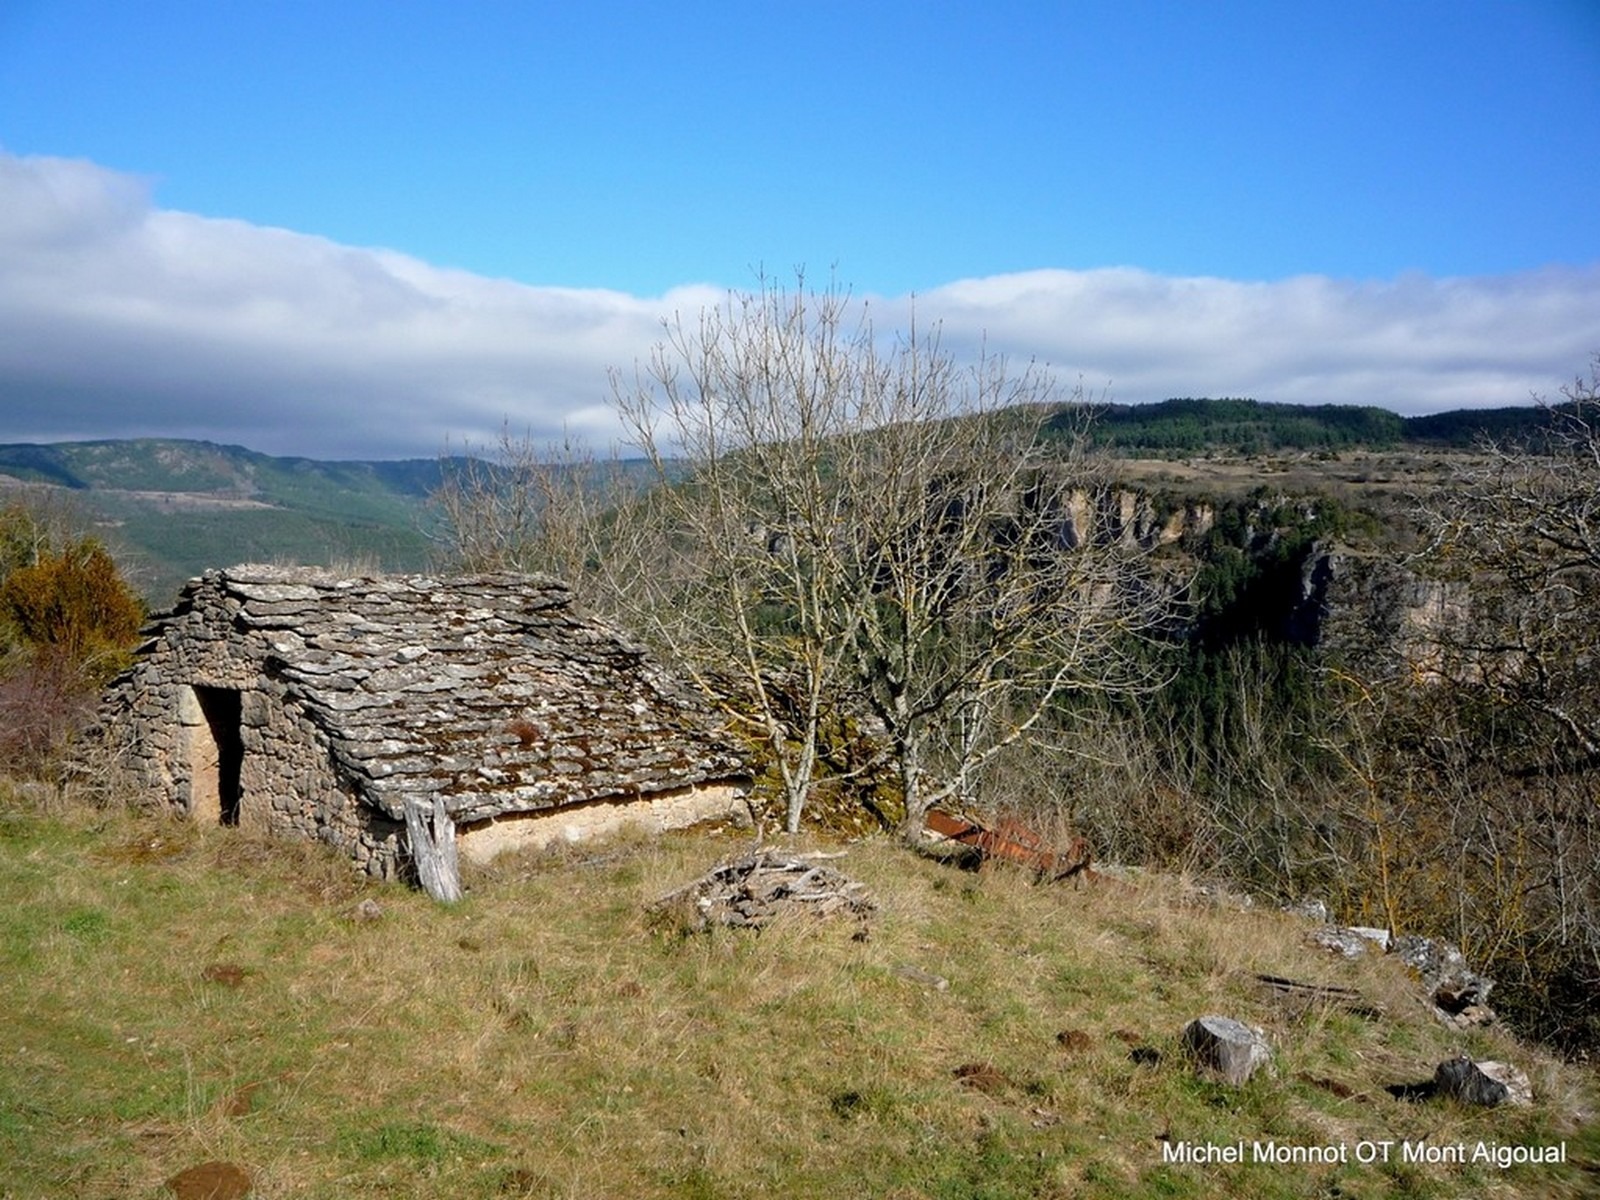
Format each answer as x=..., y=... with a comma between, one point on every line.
x=1351, y=941
x=1458, y=993
x=759, y=888
x=1111, y=515
x=1370, y=608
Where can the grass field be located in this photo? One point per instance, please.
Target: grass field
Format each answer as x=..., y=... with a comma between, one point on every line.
x=174, y=996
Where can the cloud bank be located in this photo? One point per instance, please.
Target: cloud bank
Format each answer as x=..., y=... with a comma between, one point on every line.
x=122, y=319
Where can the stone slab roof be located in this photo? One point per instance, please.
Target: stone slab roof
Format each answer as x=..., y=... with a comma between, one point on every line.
x=494, y=692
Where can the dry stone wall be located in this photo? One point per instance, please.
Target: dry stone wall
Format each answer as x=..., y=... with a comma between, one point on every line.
x=307, y=703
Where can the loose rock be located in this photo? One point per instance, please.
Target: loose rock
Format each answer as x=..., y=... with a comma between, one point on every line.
x=1352, y=941
x=1459, y=994
x=1310, y=909
x=368, y=910
x=1487, y=1084
x=1230, y=1049
x=926, y=978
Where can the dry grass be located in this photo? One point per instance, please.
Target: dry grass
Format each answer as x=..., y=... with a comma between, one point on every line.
x=1362, y=470
x=177, y=996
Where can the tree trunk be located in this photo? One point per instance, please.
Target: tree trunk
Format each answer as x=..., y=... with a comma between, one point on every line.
x=911, y=789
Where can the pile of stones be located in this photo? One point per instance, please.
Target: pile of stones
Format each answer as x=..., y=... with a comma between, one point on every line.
x=756, y=889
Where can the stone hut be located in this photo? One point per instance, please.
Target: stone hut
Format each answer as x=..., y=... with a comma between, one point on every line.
x=301, y=702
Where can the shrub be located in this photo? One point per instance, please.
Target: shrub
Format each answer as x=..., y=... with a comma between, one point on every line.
x=68, y=623
x=74, y=603
x=44, y=699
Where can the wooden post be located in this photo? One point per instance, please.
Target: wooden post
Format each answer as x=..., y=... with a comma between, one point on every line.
x=433, y=849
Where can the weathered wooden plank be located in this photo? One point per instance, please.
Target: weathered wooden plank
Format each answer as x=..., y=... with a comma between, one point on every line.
x=433, y=849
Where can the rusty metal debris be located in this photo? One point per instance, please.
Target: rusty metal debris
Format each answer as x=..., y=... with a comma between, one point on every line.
x=1014, y=841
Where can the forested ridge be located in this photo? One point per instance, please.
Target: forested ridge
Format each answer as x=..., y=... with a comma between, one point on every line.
x=1242, y=426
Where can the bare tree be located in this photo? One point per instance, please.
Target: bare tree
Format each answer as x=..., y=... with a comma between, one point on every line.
x=548, y=507
x=991, y=585
x=1477, y=768
x=740, y=414
x=838, y=523
x=1521, y=528
x=515, y=506
x=878, y=524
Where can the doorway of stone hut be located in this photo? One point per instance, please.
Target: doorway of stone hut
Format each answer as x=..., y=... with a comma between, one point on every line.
x=216, y=752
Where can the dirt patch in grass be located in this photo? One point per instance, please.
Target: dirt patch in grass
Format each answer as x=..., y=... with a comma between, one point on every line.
x=227, y=974
x=211, y=1181
x=1074, y=1041
x=157, y=845
x=240, y=1102
x=983, y=1077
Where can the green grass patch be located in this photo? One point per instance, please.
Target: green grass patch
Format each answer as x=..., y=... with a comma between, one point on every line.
x=418, y=1142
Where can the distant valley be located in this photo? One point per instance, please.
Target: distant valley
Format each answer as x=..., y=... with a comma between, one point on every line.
x=171, y=508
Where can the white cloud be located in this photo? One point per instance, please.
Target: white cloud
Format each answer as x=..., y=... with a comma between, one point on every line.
x=1414, y=344
x=118, y=318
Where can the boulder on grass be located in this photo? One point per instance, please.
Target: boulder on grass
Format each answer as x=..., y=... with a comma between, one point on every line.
x=1482, y=1083
x=1352, y=941
x=1309, y=908
x=1229, y=1049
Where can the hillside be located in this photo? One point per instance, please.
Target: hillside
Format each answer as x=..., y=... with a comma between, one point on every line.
x=174, y=508
x=179, y=996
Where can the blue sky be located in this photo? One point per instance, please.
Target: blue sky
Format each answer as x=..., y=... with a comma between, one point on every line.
x=556, y=177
